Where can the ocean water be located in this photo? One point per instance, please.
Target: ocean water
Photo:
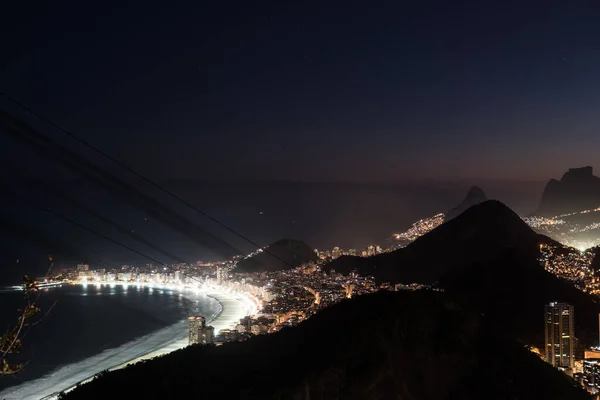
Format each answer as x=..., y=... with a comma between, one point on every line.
x=92, y=328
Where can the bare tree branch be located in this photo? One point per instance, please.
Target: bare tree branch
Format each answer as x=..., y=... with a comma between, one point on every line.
x=11, y=341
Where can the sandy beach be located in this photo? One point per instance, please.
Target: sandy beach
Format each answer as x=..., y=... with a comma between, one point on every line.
x=232, y=311
x=164, y=341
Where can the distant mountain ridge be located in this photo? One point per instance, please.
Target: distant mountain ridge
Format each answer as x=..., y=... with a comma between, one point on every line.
x=577, y=190
x=475, y=195
x=281, y=255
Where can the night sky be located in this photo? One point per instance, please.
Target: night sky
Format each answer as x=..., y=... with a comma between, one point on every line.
x=359, y=91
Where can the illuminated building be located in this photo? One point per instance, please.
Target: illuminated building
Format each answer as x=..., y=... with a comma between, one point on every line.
x=591, y=354
x=221, y=275
x=591, y=375
x=559, y=335
x=198, y=332
x=206, y=335
x=83, y=267
x=195, y=323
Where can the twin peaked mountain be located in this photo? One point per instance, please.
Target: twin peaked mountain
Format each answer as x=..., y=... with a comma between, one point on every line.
x=577, y=190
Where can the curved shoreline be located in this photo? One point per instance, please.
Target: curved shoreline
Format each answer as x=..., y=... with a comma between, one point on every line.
x=232, y=308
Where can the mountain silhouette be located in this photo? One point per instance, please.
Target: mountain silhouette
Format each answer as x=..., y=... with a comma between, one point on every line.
x=281, y=255
x=511, y=291
x=475, y=195
x=403, y=345
x=577, y=190
x=482, y=232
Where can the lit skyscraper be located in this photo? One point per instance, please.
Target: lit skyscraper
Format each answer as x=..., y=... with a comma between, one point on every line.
x=198, y=332
x=206, y=335
x=559, y=335
x=195, y=324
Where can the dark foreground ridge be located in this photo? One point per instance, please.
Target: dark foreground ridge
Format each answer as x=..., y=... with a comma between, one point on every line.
x=408, y=345
x=281, y=255
x=482, y=232
x=511, y=292
x=577, y=190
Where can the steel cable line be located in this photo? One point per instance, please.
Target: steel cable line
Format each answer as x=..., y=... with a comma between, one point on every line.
x=88, y=210
x=50, y=148
x=58, y=215
x=73, y=222
x=139, y=175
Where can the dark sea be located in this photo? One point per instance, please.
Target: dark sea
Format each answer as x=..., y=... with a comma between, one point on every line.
x=92, y=328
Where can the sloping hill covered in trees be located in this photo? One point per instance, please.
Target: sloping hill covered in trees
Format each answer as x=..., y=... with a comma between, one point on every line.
x=409, y=345
x=483, y=232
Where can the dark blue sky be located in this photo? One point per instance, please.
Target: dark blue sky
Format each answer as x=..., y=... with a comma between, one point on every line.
x=358, y=91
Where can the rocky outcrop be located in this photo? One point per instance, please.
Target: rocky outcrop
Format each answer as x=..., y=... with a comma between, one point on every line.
x=577, y=190
x=475, y=195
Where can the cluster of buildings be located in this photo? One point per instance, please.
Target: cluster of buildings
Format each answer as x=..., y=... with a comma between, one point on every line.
x=199, y=332
x=420, y=228
x=570, y=231
x=574, y=266
x=332, y=254
x=290, y=296
x=562, y=349
x=542, y=222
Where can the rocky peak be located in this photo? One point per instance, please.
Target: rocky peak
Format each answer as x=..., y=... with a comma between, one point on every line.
x=475, y=195
x=577, y=190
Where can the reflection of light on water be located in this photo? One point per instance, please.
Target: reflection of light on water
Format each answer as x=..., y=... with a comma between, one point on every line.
x=150, y=290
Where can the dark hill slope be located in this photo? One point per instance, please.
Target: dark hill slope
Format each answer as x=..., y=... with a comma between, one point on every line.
x=482, y=232
x=411, y=345
x=281, y=255
x=512, y=290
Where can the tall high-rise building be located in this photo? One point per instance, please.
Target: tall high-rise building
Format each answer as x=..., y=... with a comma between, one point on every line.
x=195, y=323
x=220, y=275
x=206, y=335
x=559, y=335
x=198, y=332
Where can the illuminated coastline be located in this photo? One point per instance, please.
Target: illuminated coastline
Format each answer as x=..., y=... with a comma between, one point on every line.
x=234, y=305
